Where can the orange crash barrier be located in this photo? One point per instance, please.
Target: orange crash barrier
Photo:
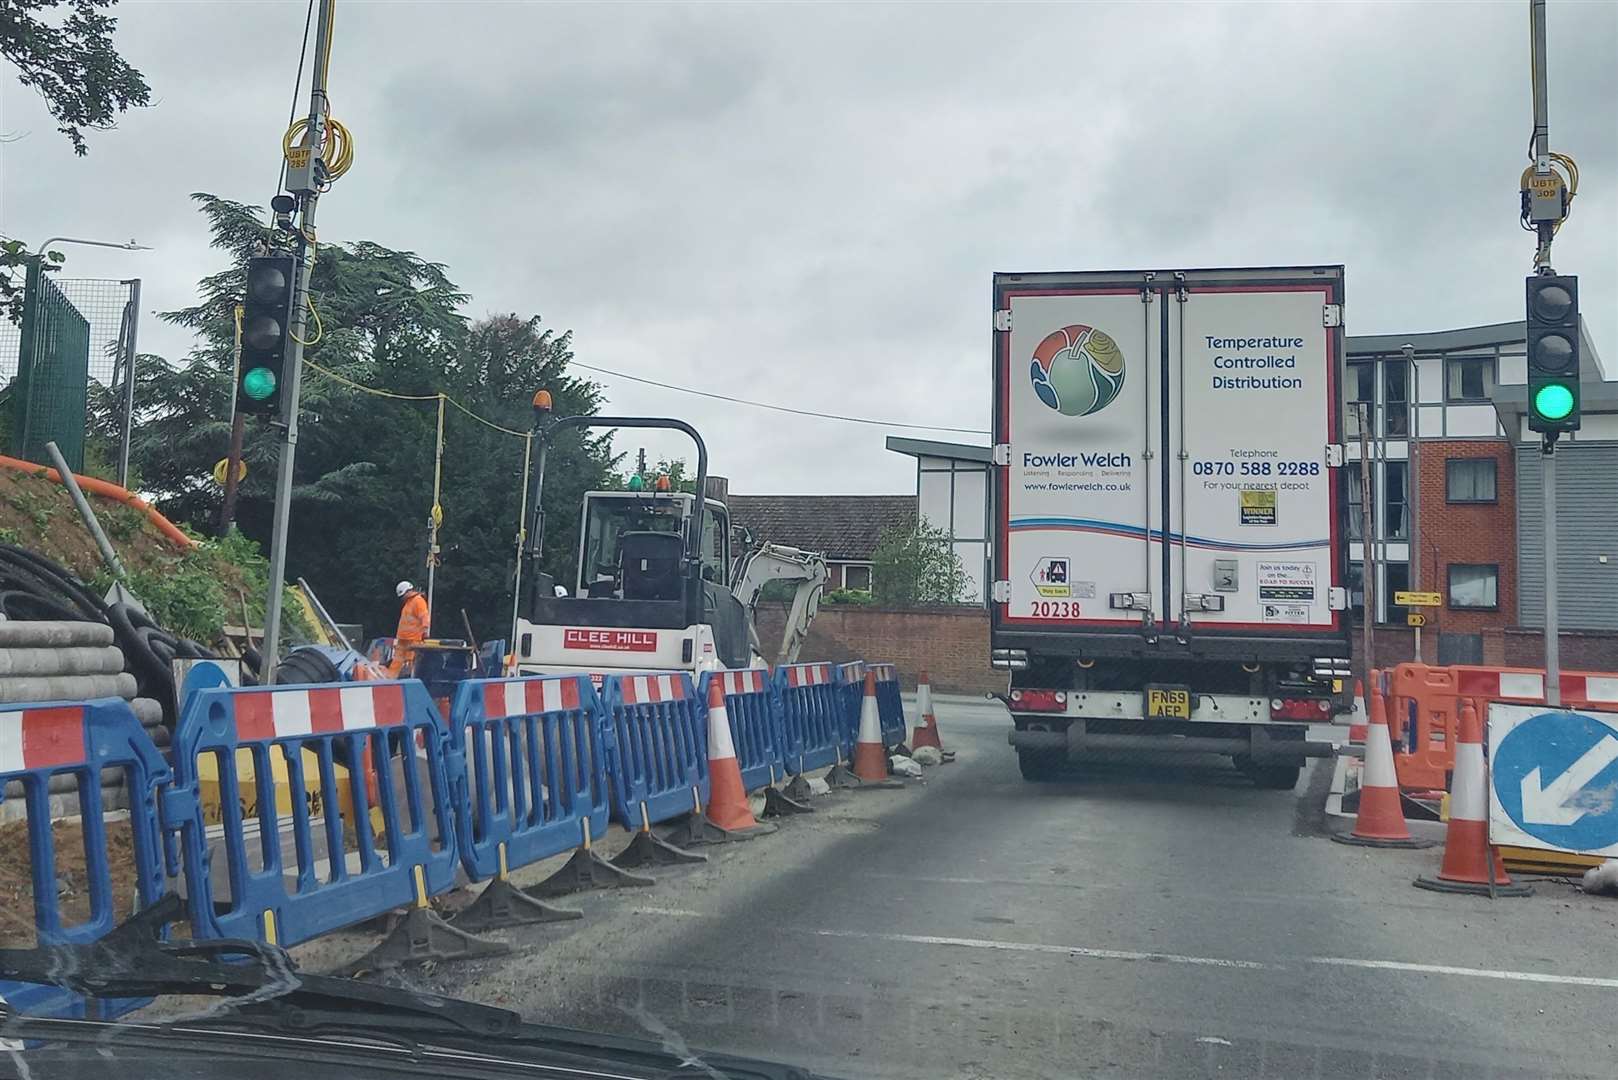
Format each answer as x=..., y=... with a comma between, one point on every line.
x=1423, y=711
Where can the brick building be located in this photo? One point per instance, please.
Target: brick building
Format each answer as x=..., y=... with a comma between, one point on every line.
x=1447, y=453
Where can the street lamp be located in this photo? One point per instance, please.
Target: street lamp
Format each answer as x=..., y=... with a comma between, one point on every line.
x=127, y=245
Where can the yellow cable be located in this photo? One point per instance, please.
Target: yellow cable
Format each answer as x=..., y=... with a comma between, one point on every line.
x=485, y=423
x=338, y=153
x=362, y=388
x=320, y=331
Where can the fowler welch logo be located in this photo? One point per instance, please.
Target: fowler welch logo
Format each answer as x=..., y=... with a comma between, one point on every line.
x=1077, y=370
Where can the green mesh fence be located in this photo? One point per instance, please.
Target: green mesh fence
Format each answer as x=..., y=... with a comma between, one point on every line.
x=53, y=366
x=71, y=349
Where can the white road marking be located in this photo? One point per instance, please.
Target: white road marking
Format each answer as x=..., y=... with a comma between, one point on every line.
x=1472, y=973
x=677, y=913
x=1059, y=950
x=1178, y=958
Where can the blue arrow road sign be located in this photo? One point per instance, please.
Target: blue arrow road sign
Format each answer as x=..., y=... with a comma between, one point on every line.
x=1555, y=775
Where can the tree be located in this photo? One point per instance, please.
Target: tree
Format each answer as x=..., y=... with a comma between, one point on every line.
x=363, y=487
x=917, y=564
x=71, y=62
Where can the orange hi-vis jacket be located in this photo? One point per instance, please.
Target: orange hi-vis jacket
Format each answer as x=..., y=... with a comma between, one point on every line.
x=415, y=623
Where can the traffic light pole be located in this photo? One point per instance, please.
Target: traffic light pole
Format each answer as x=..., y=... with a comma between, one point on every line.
x=1542, y=261
x=318, y=110
x=1542, y=124
x=1553, y=632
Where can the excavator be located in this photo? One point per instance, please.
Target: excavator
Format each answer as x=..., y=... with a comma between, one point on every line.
x=662, y=581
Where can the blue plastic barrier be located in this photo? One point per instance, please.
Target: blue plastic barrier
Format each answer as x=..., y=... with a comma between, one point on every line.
x=41, y=741
x=659, y=747
x=850, y=689
x=534, y=769
x=373, y=729
x=890, y=706
x=755, y=727
x=811, y=716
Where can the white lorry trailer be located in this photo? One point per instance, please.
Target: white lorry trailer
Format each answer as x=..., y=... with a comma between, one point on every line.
x=1170, y=553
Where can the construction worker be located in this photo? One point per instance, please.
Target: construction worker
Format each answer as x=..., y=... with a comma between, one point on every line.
x=415, y=623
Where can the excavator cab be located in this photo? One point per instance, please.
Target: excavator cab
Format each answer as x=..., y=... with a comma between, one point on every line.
x=621, y=529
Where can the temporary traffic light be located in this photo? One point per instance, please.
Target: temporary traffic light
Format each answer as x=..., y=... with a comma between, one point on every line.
x=266, y=333
x=1553, y=353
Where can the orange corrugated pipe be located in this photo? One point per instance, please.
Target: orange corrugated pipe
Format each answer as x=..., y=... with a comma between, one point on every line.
x=107, y=491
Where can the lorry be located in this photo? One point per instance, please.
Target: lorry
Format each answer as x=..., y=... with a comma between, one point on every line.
x=1170, y=555
x=662, y=582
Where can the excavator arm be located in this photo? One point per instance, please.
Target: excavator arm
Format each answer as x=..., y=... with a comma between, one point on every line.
x=776, y=562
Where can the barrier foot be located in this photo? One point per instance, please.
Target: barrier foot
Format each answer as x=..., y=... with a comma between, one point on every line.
x=420, y=936
x=778, y=803
x=1372, y=841
x=841, y=776
x=502, y=904
x=697, y=830
x=1471, y=888
x=649, y=849
x=797, y=790
x=586, y=871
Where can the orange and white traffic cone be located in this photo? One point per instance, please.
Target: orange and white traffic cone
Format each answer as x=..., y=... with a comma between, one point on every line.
x=727, y=815
x=1381, y=819
x=1471, y=864
x=870, y=757
x=727, y=798
x=1356, y=732
x=925, y=732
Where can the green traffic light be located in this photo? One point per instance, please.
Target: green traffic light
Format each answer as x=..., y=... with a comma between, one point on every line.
x=259, y=383
x=1553, y=401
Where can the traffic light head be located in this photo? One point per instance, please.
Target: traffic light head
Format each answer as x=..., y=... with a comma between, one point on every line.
x=1553, y=353
x=266, y=334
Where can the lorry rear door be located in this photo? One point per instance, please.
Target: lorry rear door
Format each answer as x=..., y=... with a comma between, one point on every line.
x=1251, y=375
x=1078, y=423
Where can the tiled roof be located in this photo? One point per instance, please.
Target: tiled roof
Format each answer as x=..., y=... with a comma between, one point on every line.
x=841, y=527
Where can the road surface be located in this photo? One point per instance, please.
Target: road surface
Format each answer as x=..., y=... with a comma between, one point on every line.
x=1157, y=919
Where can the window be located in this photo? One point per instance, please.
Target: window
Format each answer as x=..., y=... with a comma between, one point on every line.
x=1469, y=480
x=1356, y=503
x=1395, y=399
x=1474, y=585
x=1469, y=378
x=1396, y=575
x=1361, y=387
x=1356, y=592
x=1395, y=524
x=857, y=577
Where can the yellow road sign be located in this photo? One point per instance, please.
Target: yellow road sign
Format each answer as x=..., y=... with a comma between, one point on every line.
x=1418, y=599
x=1415, y=618
x=224, y=463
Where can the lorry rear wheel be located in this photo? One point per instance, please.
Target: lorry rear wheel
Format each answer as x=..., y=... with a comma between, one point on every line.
x=1039, y=765
x=1270, y=777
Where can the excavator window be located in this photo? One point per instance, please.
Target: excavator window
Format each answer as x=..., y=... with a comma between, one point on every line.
x=608, y=517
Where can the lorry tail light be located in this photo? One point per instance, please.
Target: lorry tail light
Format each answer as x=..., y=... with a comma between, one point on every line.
x=1039, y=700
x=1009, y=659
x=1299, y=709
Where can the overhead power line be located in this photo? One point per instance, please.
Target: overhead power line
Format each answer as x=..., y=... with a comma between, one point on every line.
x=778, y=408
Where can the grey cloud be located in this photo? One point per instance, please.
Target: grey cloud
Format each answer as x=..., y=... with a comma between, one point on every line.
x=804, y=203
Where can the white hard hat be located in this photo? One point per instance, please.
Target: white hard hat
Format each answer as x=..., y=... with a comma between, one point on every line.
x=403, y=587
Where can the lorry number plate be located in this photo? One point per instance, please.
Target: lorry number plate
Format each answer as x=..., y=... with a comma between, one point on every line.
x=1170, y=702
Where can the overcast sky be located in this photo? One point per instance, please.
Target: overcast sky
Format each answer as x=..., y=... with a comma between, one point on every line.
x=804, y=204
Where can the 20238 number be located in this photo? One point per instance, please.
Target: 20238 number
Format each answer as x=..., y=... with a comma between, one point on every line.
x=1055, y=609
